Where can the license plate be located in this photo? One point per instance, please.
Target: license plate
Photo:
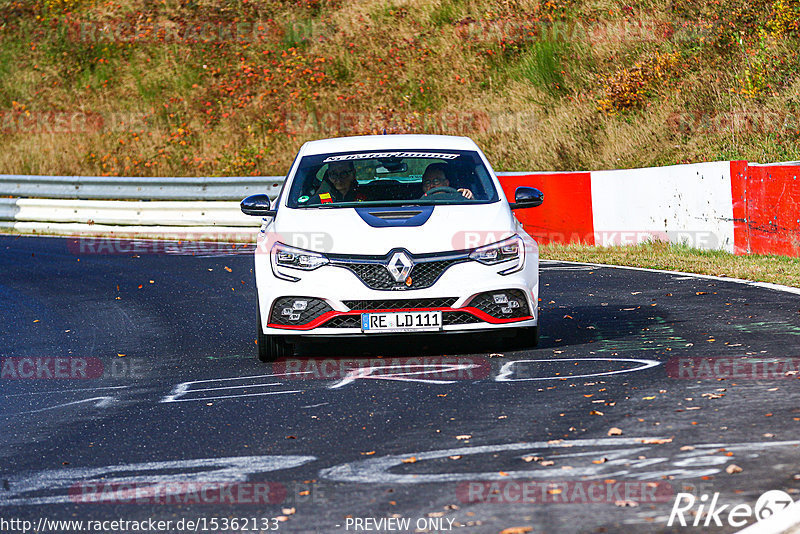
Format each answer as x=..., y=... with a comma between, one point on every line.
x=429, y=321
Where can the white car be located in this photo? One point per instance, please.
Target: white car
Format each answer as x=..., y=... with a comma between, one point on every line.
x=392, y=235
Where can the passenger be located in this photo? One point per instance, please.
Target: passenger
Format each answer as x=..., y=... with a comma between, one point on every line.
x=434, y=177
x=338, y=185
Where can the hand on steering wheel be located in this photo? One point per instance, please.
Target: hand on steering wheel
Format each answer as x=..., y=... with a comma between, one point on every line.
x=443, y=190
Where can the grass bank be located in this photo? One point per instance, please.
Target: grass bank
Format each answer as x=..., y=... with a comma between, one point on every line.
x=233, y=87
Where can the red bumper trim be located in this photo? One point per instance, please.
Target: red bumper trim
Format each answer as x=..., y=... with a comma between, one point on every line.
x=485, y=317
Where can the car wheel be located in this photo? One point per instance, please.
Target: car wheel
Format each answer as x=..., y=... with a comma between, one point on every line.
x=270, y=348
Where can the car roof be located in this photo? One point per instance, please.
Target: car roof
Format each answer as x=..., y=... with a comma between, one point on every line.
x=387, y=142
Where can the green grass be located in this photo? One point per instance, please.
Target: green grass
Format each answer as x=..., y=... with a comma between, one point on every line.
x=542, y=65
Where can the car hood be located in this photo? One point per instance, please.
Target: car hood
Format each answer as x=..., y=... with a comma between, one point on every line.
x=345, y=231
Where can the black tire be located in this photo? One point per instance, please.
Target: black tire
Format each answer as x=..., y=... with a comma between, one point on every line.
x=270, y=348
x=526, y=338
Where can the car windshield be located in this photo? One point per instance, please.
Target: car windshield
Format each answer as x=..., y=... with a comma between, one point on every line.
x=393, y=177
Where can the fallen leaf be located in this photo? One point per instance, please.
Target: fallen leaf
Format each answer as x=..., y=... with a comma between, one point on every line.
x=614, y=431
x=687, y=448
x=733, y=468
x=655, y=441
x=626, y=503
x=546, y=463
x=464, y=436
x=228, y=269
x=495, y=355
x=368, y=453
x=596, y=412
x=304, y=493
x=288, y=511
x=532, y=458
x=411, y=460
x=456, y=457
x=516, y=530
x=600, y=461
x=291, y=437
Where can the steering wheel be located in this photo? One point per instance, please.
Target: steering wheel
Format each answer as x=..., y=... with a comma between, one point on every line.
x=443, y=190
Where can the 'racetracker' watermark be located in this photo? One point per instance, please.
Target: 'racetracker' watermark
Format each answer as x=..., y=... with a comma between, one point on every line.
x=178, y=492
x=440, y=368
x=70, y=122
x=565, y=492
x=175, y=243
x=71, y=368
x=713, y=368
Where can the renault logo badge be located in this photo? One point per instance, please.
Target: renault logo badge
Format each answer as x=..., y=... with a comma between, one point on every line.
x=400, y=266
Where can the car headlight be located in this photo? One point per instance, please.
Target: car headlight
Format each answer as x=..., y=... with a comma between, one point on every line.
x=283, y=256
x=507, y=250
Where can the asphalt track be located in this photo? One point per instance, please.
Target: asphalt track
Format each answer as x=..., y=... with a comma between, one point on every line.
x=179, y=397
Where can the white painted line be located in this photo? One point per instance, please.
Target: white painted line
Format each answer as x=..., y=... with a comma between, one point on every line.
x=765, y=285
x=506, y=371
x=378, y=470
x=59, y=392
x=238, y=387
x=102, y=402
x=316, y=405
x=184, y=389
x=234, y=396
x=366, y=373
x=32, y=488
x=623, y=461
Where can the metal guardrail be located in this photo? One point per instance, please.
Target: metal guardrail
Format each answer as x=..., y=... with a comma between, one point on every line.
x=122, y=188
x=126, y=212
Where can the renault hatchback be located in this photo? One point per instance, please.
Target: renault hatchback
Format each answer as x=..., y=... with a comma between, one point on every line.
x=392, y=235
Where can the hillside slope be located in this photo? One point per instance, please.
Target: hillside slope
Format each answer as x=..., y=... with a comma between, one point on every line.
x=212, y=87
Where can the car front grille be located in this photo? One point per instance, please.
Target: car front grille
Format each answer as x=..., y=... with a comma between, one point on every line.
x=399, y=304
x=448, y=318
x=343, y=321
x=423, y=275
x=373, y=271
x=458, y=317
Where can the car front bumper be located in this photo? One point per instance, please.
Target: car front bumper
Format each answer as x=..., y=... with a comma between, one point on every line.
x=464, y=293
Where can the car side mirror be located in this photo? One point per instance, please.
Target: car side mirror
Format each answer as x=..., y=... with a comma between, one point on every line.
x=527, y=197
x=258, y=205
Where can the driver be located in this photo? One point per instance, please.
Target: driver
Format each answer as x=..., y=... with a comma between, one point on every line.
x=434, y=177
x=338, y=185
